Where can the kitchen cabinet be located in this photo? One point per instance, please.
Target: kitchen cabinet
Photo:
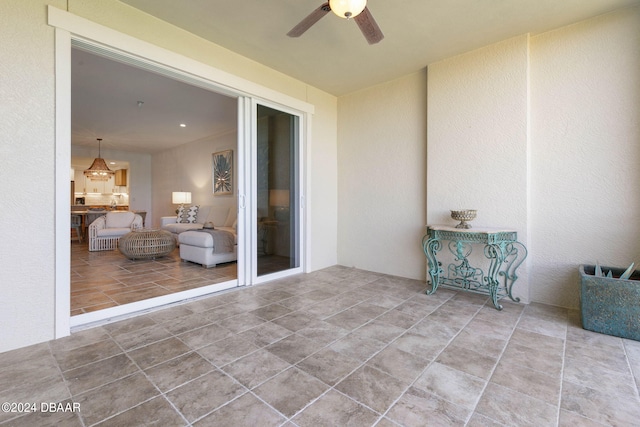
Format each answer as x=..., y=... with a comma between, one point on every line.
x=80, y=181
x=86, y=185
x=104, y=187
x=121, y=178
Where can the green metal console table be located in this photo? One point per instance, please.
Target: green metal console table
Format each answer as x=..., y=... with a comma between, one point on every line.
x=501, y=248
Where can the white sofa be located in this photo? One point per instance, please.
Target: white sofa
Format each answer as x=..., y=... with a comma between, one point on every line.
x=219, y=216
x=200, y=247
x=106, y=230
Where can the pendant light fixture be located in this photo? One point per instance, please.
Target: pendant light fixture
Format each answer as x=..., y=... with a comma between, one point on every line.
x=99, y=171
x=347, y=8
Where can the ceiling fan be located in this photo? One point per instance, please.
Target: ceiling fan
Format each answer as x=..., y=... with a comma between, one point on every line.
x=356, y=9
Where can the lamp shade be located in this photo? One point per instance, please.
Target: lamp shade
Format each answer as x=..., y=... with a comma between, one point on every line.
x=347, y=8
x=279, y=198
x=180, y=197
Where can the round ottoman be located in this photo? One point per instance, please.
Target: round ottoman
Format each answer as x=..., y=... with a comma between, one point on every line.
x=146, y=243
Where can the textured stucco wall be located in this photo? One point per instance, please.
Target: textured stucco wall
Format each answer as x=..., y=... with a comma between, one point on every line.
x=322, y=167
x=381, y=177
x=477, y=133
x=27, y=174
x=553, y=151
x=585, y=98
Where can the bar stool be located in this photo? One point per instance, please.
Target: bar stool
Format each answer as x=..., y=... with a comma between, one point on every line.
x=76, y=224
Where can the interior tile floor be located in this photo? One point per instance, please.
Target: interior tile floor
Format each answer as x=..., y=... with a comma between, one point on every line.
x=337, y=347
x=106, y=279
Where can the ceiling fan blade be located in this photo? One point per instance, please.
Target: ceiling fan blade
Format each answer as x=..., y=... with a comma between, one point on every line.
x=307, y=22
x=369, y=26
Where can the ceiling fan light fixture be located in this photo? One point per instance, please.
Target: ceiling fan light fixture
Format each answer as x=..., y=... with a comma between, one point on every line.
x=347, y=8
x=356, y=9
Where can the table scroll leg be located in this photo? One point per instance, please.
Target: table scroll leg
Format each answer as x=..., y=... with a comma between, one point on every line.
x=431, y=247
x=517, y=253
x=494, y=252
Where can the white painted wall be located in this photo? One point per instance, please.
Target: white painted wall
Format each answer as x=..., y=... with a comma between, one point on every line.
x=585, y=102
x=27, y=140
x=189, y=168
x=477, y=133
x=381, y=177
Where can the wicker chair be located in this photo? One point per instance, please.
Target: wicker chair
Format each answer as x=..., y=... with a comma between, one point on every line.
x=105, y=231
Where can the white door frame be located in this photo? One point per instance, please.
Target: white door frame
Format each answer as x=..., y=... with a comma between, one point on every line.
x=70, y=27
x=252, y=219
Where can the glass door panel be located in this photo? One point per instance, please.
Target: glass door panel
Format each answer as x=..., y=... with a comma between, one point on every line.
x=278, y=190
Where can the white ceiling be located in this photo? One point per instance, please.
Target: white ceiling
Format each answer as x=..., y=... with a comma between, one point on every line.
x=104, y=104
x=334, y=56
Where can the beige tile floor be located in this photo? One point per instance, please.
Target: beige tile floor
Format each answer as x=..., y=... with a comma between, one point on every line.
x=338, y=347
x=106, y=279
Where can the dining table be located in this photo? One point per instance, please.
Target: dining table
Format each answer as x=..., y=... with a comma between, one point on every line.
x=88, y=216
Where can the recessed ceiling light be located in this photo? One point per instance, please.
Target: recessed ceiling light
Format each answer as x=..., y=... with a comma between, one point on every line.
x=182, y=125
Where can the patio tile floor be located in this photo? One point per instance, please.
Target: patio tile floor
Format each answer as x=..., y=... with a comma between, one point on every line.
x=340, y=346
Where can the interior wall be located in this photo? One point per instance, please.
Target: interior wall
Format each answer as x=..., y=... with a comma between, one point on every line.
x=585, y=99
x=189, y=167
x=381, y=177
x=478, y=140
x=27, y=137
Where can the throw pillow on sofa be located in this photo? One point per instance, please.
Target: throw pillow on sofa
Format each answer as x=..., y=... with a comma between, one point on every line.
x=187, y=215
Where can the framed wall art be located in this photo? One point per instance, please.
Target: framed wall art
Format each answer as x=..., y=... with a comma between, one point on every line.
x=223, y=173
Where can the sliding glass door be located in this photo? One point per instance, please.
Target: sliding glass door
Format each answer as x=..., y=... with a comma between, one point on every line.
x=277, y=221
